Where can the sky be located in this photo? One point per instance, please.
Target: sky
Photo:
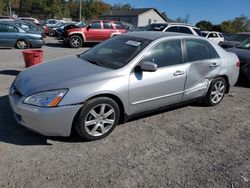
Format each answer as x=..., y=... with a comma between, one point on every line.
x=214, y=11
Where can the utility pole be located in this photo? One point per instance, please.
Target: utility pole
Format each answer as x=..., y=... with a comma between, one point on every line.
x=80, y=10
x=10, y=10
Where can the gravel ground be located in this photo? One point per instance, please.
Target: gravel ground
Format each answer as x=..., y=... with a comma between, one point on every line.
x=190, y=146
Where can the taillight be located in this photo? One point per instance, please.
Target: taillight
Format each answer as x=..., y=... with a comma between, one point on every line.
x=238, y=63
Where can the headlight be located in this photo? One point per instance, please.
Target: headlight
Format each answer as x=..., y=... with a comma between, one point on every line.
x=46, y=99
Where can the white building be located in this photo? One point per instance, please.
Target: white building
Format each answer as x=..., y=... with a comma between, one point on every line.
x=137, y=17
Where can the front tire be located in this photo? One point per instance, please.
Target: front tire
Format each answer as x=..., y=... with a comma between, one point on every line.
x=216, y=92
x=97, y=119
x=75, y=41
x=22, y=44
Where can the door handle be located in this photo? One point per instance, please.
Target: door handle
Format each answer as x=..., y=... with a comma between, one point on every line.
x=178, y=73
x=214, y=65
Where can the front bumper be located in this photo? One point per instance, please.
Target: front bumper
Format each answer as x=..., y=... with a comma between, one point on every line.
x=46, y=121
x=37, y=43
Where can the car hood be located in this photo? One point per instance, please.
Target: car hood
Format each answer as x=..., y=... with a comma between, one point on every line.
x=243, y=54
x=58, y=74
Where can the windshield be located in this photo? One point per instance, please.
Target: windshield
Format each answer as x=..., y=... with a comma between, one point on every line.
x=239, y=37
x=116, y=52
x=82, y=24
x=155, y=27
x=245, y=44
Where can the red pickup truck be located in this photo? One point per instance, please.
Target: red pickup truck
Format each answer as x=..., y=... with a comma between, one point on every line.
x=95, y=31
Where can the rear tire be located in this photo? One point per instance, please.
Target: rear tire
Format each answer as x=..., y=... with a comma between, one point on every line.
x=75, y=41
x=22, y=44
x=216, y=92
x=97, y=119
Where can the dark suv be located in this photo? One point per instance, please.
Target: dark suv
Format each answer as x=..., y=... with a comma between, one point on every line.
x=95, y=31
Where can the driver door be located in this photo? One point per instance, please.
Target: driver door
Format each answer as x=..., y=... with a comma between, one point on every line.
x=151, y=90
x=93, y=33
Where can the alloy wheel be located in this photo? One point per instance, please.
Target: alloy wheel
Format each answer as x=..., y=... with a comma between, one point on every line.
x=100, y=120
x=217, y=92
x=75, y=42
x=21, y=44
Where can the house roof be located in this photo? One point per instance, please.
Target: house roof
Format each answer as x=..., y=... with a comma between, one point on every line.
x=132, y=12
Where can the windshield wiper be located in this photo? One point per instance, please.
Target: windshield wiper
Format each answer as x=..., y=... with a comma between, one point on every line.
x=93, y=62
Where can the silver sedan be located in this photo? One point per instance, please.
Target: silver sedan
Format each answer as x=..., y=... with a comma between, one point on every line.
x=124, y=76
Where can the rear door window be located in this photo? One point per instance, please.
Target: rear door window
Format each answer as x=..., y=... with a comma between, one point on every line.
x=118, y=25
x=197, y=49
x=8, y=28
x=185, y=30
x=107, y=25
x=173, y=29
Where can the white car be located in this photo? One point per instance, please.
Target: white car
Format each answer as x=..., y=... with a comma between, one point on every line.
x=174, y=27
x=53, y=22
x=35, y=21
x=214, y=36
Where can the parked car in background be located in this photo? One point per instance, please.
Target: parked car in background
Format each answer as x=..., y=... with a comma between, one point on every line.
x=53, y=22
x=235, y=40
x=6, y=18
x=243, y=52
x=129, y=27
x=228, y=36
x=63, y=31
x=121, y=77
x=95, y=31
x=27, y=26
x=34, y=20
x=12, y=35
x=57, y=30
x=214, y=36
x=174, y=27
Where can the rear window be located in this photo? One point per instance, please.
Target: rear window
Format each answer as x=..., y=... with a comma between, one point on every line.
x=7, y=28
x=199, y=50
x=155, y=27
x=118, y=25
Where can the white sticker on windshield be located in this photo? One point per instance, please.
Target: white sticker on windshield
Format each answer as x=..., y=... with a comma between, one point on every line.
x=133, y=43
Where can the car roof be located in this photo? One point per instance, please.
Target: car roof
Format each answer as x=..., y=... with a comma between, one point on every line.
x=153, y=35
x=244, y=33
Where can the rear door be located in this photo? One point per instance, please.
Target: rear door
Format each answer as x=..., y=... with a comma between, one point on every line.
x=8, y=35
x=150, y=90
x=107, y=30
x=203, y=65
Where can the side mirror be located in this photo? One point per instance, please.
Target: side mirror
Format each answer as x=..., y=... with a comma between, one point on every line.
x=148, y=66
x=88, y=27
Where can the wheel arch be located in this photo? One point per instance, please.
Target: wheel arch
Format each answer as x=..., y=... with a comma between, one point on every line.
x=108, y=95
x=78, y=34
x=227, y=81
x=24, y=39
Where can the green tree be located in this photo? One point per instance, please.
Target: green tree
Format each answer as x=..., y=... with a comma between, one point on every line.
x=205, y=25
x=186, y=19
x=94, y=9
x=121, y=6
